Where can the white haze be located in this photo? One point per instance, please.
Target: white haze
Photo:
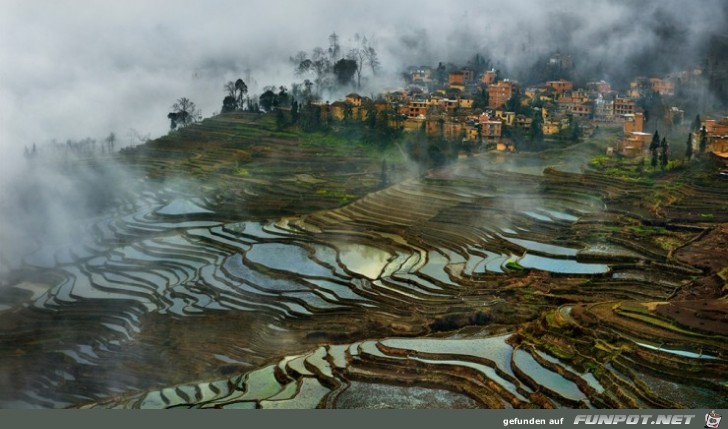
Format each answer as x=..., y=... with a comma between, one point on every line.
x=76, y=69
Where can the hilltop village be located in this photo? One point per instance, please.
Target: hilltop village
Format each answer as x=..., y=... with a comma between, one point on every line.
x=483, y=110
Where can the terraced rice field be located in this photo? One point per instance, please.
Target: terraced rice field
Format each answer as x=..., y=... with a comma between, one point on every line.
x=472, y=286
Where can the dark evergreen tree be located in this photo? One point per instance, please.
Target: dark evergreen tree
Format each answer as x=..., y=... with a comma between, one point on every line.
x=689, y=147
x=514, y=103
x=441, y=74
x=481, y=98
x=229, y=104
x=282, y=99
x=537, y=127
x=703, y=140
x=310, y=118
x=334, y=46
x=655, y=143
x=664, y=153
x=111, y=141
x=478, y=64
x=172, y=116
x=268, y=100
x=696, y=124
x=241, y=89
x=294, y=112
x=574, y=131
x=344, y=70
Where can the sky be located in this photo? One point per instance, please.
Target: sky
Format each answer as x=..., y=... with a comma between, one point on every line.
x=76, y=69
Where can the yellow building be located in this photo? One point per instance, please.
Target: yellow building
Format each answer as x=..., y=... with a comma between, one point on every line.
x=507, y=118
x=338, y=109
x=551, y=127
x=354, y=99
x=412, y=125
x=466, y=103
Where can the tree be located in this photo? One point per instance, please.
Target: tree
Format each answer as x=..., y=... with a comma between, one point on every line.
x=268, y=100
x=689, y=147
x=357, y=56
x=334, y=47
x=229, y=104
x=241, y=89
x=344, y=70
x=574, y=130
x=537, y=127
x=283, y=99
x=310, y=118
x=481, y=98
x=308, y=89
x=655, y=143
x=664, y=153
x=302, y=92
x=111, y=141
x=371, y=58
x=230, y=88
x=478, y=64
x=364, y=54
x=703, y=140
x=696, y=124
x=184, y=112
x=318, y=65
x=514, y=103
x=294, y=112
x=653, y=105
x=441, y=74
x=322, y=68
x=251, y=105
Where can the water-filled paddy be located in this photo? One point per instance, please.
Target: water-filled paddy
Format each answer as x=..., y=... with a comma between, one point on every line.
x=171, y=297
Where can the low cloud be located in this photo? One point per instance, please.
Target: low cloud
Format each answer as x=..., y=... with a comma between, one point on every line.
x=82, y=68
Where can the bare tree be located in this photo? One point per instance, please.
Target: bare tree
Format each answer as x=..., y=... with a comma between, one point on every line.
x=357, y=55
x=370, y=57
x=364, y=54
x=111, y=141
x=135, y=137
x=230, y=88
x=184, y=112
x=318, y=66
x=297, y=61
x=334, y=47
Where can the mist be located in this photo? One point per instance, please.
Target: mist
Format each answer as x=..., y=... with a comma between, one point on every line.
x=83, y=69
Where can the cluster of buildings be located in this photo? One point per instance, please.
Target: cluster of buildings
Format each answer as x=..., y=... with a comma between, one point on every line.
x=636, y=142
x=484, y=108
x=716, y=133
